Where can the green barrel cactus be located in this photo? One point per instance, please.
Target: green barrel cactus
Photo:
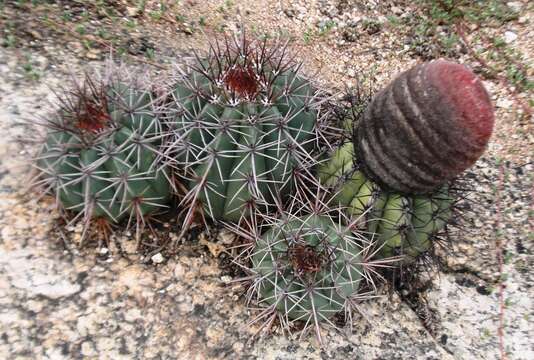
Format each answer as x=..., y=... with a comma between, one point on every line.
x=245, y=124
x=308, y=268
x=401, y=224
x=100, y=154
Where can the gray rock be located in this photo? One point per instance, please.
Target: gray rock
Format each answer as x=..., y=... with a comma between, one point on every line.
x=36, y=276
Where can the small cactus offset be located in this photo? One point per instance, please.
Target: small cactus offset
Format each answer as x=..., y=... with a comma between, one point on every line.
x=425, y=128
x=99, y=157
x=245, y=124
x=401, y=224
x=309, y=264
x=307, y=267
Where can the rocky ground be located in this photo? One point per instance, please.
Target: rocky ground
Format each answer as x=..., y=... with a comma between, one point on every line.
x=59, y=301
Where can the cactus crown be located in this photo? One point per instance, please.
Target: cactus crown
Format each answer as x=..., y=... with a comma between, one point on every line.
x=86, y=108
x=83, y=110
x=240, y=70
x=245, y=127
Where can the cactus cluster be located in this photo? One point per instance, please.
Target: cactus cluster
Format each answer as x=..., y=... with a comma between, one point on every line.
x=245, y=124
x=388, y=181
x=99, y=157
x=403, y=225
x=243, y=130
x=425, y=128
x=409, y=142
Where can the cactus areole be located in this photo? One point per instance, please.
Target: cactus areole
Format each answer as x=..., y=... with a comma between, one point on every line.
x=426, y=127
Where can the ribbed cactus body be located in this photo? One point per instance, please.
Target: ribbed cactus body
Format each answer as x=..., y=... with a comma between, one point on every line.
x=307, y=267
x=100, y=151
x=402, y=224
x=426, y=127
x=244, y=124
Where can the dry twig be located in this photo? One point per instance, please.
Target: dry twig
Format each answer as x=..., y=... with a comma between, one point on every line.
x=501, y=246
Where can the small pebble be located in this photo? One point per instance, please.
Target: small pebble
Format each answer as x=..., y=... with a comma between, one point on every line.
x=509, y=37
x=157, y=259
x=516, y=6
